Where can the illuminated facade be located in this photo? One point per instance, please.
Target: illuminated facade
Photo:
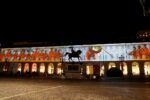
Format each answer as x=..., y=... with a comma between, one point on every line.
x=78, y=61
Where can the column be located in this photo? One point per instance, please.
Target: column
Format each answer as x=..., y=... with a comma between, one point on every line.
x=30, y=67
x=105, y=68
x=129, y=66
x=22, y=68
x=141, y=68
x=38, y=68
x=55, y=68
x=118, y=64
x=46, y=68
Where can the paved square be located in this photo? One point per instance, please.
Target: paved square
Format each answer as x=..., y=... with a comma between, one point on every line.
x=47, y=89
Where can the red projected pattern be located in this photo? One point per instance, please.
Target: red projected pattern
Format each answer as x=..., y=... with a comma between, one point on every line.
x=104, y=52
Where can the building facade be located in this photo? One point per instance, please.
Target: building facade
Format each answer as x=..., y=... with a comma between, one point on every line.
x=77, y=61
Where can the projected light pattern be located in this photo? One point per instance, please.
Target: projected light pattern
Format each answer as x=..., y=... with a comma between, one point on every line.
x=97, y=52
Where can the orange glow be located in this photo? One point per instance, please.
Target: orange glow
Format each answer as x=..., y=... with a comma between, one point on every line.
x=89, y=69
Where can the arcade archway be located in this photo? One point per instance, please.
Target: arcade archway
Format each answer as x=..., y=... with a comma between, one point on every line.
x=147, y=68
x=111, y=65
x=59, y=68
x=124, y=68
x=26, y=67
x=19, y=67
x=51, y=68
x=89, y=69
x=34, y=67
x=42, y=68
x=135, y=68
x=102, y=70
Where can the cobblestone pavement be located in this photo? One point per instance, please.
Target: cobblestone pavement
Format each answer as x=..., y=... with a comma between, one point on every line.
x=41, y=89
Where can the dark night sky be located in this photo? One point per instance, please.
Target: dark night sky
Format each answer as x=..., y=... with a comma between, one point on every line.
x=100, y=23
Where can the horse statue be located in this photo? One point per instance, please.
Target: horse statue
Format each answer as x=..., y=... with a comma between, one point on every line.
x=74, y=54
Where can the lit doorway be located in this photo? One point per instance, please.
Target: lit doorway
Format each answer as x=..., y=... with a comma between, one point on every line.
x=111, y=65
x=26, y=67
x=125, y=68
x=51, y=68
x=102, y=70
x=59, y=68
x=135, y=68
x=147, y=68
x=89, y=69
x=19, y=67
x=42, y=68
x=34, y=67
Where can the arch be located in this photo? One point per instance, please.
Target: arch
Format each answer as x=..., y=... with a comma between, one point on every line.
x=42, y=68
x=59, y=68
x=89, y=69
x=51, y=68
x=19, y=67
x=5, y=67
x=26, y=67
x=125, y=68
x=111, y=64
x=102, y=70
x=147, y=68
x=34, y=67
x=135, y=68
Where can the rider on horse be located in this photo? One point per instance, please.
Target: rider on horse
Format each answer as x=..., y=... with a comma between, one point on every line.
x=73, y=54
x=72, y=50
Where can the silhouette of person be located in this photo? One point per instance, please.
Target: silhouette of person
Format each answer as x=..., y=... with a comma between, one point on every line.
x=72, y=50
